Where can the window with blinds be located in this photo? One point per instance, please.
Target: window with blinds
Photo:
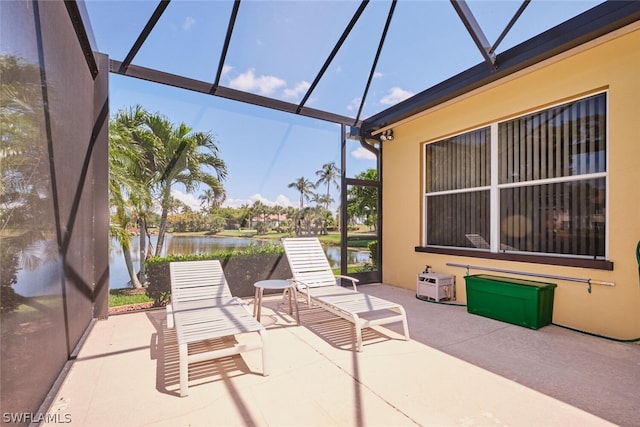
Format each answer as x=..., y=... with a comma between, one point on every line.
x=550, y=184
x=458, y=184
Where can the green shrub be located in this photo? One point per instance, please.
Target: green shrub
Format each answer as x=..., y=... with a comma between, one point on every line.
x=9, y=299
x=360, y=241
x=242, y=269
x=373, y=249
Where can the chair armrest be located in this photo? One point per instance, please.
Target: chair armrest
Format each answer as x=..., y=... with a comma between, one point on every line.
x=298, y=283
x=241, y=303
x=353, y=280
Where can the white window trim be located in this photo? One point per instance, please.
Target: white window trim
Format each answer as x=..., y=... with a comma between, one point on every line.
x=494, y=187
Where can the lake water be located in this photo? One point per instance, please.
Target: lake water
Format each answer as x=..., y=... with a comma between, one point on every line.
x=180, y=245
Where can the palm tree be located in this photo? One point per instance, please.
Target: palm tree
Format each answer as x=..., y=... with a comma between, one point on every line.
x=277, y=210
x=329, y=174
x=180, y=156
x=211, y=199
x=132, y=122
x=245, y=214
x=260, y=209
x=128, y=193
x=305, y=187
x=24, y=177
x=321, y=211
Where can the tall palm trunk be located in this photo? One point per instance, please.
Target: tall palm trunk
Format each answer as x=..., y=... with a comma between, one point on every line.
x=162, y=227
x=142, y=274
x=129, y=263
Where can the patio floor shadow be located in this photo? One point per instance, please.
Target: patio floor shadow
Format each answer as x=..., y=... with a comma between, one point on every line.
x=458, y=369
x=164, y=349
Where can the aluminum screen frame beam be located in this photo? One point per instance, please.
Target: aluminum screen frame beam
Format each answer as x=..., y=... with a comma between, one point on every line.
x=334, y=52
x=590, y=25
x=200, y=86
x=510, y=25
x=374, y=65
x=470, y=23
x=83, y=35
x=155, y=17
x=225, y=48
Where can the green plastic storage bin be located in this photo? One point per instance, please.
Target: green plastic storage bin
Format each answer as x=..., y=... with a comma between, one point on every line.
x=520, y=302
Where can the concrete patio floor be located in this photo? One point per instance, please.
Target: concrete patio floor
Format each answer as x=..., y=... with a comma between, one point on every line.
x=459, y=369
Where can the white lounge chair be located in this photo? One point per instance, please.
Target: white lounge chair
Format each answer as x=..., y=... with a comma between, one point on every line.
x=479, y=242
x=202, y=308
x=315, y=279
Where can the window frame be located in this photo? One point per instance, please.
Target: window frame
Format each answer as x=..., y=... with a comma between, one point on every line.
x=573, y=260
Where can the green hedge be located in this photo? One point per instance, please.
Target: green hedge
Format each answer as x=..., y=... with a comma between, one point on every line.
x=242, y=269
x=360, y=241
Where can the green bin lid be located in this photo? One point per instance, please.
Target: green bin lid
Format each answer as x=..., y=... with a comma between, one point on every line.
x=514, y=280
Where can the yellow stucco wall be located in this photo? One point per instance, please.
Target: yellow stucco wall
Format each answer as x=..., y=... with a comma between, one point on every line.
x=612, y=64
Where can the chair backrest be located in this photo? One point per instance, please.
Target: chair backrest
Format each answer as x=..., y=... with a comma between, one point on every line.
x=477, y=241
x=198, y=281
x=308, y=261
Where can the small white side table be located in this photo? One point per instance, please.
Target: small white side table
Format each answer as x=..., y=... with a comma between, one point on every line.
x=287, y=286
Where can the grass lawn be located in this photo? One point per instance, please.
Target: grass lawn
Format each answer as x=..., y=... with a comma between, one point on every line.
x=237, y=233
x=127, y=296
x=331, y=239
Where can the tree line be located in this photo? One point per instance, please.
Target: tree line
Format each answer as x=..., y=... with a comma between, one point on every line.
x=148, y=155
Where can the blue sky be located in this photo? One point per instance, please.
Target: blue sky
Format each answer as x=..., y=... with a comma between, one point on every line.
x=277, y=49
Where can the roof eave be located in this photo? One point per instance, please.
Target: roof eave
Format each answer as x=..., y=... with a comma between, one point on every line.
x=590, y=25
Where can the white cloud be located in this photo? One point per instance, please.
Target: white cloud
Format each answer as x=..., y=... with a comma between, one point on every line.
x=281, y=200
x=259, y=197
x=235, y=203
x=363, y=154
x=226, y=69
x=188, y=199
x=354, y=104
x=264, y=85
x=188, y=23
x=298, y=90
x=395, y=95
x=377, y=75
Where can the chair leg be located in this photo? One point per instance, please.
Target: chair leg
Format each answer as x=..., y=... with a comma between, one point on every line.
x=184, y=369
x=265, y=353
x=259, y=293
x=255, y=303
x=295, y=301
x=358, y=327
x=405, y=324
x=359, y=338
x=169, y=311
